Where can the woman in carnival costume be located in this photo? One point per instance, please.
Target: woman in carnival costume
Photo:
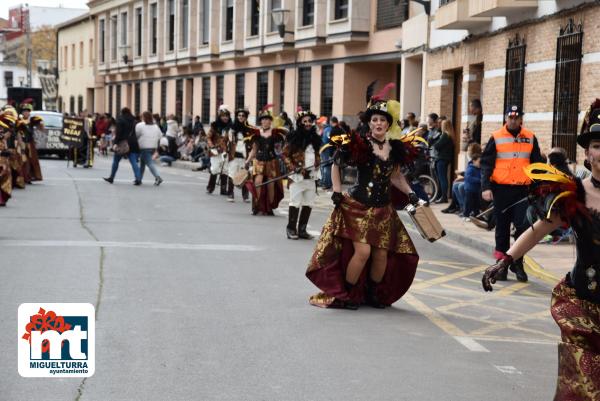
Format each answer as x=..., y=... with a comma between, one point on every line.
x=560, y=200
x=364, y=253
x=7, y=122
x=265, y=167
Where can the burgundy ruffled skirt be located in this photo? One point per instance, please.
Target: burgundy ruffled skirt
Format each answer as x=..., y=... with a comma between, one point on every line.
x=579, y=351
x=379, y=227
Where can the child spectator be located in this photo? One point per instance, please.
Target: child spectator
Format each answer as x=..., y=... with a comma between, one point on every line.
x=472, y=187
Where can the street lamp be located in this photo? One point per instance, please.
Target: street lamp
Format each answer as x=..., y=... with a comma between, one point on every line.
x=280, y=19
x=124, y=49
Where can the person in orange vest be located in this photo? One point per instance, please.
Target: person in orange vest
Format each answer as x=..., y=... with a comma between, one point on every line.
x=503, y=180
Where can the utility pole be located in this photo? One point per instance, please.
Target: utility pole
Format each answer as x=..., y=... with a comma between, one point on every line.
x=27, y=28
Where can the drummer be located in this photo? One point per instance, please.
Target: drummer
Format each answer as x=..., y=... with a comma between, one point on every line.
x=237, y=152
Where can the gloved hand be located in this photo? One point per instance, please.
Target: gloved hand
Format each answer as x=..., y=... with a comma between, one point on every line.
x=413, y=199
x=337, y=198
x=490, y=274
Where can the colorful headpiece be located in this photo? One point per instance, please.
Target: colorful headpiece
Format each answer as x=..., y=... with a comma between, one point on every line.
x=265, y=112
x=590, y=129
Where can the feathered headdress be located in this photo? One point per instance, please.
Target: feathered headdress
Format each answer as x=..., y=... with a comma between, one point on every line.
x=378, y=105
x=265, y=112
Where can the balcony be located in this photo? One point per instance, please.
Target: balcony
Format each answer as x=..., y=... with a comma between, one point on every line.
x=414, y=31
x=500, y=8
x=454, y=14
x=353, y=26
x=311, y=33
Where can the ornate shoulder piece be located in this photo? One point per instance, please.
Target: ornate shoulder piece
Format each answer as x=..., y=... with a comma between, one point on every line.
x=251, y=133
x=349, y=148
x=553, y=191
x=405, y=147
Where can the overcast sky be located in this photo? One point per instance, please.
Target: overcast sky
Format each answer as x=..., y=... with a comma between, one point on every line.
x=6, y=4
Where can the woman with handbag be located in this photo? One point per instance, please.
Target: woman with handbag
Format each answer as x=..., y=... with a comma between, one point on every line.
x=126, y=146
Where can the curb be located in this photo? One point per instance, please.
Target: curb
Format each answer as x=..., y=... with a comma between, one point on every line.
x=535, y=269
x=185, y=165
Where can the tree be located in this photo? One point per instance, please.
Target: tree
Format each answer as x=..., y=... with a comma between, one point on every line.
x=43, y=46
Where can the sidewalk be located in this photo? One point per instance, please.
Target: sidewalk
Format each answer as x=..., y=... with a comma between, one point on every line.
x=546, y=261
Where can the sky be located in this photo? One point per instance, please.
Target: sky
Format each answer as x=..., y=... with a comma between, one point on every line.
x=6, y=4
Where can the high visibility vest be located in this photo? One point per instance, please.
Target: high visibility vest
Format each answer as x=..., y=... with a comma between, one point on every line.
x=513, y=154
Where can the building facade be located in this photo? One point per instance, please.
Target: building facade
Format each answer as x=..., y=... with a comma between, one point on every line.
x=187, y=57
x=542, y=55
x=78, y=87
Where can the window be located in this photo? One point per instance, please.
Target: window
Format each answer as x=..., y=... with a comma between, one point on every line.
x=262, y=90
x=123, y=29
x=163, y=98
x=153, y=28
x=171, y=25
x=102, y=39
x=73, y=56
x=205, y=16
x=229, y=20
x=206, y=100
x=80, y=54
x=219, y=91
x=281, y=90
x=391, y=13
x=79, y=104
x=110, y=99
x=566, y=88
x=138, y=32
x=304, y=88
x=8, y=79
x=254, y=17
x=113, y=38
x=240, y=81
x=179, y=99
x=340, y=9
x=118, y=100
x=184, y=24
x=91, y=51
x=150, y=98
x=72, y=105
x=275, y=4
x=59, y=105
x=308, y=12
x=190, y=93
x=326, y=90
x=66, y=57
x=137, y=98
x=514, y=79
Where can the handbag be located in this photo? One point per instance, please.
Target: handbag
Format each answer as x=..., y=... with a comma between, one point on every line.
x=121, y=148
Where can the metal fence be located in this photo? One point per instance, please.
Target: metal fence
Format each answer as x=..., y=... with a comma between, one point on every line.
x=514, y=79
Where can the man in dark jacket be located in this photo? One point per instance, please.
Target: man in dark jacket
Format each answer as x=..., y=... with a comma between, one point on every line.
x=507, y=153
x=126, y=133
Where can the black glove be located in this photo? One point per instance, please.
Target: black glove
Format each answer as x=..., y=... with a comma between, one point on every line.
x=490, y=274
x=337, y=198
x=413, y=199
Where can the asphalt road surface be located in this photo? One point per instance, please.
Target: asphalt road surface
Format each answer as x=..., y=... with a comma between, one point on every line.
x=196, y=299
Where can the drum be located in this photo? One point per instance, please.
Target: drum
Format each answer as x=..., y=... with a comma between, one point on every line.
x=240, y=177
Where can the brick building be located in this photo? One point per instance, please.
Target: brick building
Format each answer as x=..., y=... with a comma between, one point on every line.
x=541, y=55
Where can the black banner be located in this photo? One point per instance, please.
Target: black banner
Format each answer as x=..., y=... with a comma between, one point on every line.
x=73, y=132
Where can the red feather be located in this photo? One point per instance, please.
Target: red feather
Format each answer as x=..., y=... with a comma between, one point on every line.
x=383, y=93
x=28, y=100
x=267, y=107
x=298, y=109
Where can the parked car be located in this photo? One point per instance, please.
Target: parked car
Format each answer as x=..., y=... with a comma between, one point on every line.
x=48, y=142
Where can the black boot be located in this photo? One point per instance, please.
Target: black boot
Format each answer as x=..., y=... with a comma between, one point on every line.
x=350, y=304
x=230, y=189
x=224, y=178
x=517, y=268
x=290, y=230
x=212, y=181
x=372, y=296
x=303, y=222
x=245, y=194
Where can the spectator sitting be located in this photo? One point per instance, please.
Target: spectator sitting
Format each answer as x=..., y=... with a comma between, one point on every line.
x=167, y=150
x=187, y=145
x=197, y=126
x=472, y=187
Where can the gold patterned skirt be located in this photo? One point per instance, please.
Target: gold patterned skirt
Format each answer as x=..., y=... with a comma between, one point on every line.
x=579, y=351
x=379, y=227
x=5, y=180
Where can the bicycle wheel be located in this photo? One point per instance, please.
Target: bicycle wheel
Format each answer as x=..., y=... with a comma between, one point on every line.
x=429, y=185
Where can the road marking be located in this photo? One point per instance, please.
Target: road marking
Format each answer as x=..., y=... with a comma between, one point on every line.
x=120, y=181
x=434, y=272
x=448, y=277
x=471, y=344
x=511, y=288
x=137, y=245
x=509, y=370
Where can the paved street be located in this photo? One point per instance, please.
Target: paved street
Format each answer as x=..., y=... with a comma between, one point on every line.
x=197, y=299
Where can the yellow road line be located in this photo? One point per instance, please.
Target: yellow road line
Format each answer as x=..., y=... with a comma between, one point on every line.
x=511, y=289
x=448, y=277
x=435, y=272
x=434, y=316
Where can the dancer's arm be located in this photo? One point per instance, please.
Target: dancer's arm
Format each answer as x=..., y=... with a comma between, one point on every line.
x=399, y=181
x=252, y=154
x=336, y=179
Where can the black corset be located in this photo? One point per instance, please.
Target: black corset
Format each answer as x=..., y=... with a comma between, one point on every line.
x=585, y=276
x=266, y=148
x=373, y=182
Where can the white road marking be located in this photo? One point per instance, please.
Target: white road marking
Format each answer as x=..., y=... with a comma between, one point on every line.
x=138, y=245
x=509, y=370
x=471, y=344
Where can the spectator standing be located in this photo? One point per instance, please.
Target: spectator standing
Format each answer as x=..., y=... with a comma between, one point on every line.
x=472, y=134
x=126, y=132
x=148, y=134
x=411, y=123
x=197, y=126
x=327, y=154
x=443, y=152
x=503, y=180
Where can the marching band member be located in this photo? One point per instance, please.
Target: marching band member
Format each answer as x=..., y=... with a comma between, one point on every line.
x=301, y=155
x=217, y=145
x=237, y=150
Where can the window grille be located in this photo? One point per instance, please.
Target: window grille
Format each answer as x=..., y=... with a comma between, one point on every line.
x=220, y=84
x=281, y=90
x=566, y=88
x=240, y=81
x=254, y=17
x=304, y=88
x=118, y=100
x=308, y=12
x=326, y=90
x=110, y=100
x=163, y=98
x=206, y=100
x=137, y=94
x=179, y=99
x=262, y=90
x=150, y=95
x=514, y=78
x=391, y=13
